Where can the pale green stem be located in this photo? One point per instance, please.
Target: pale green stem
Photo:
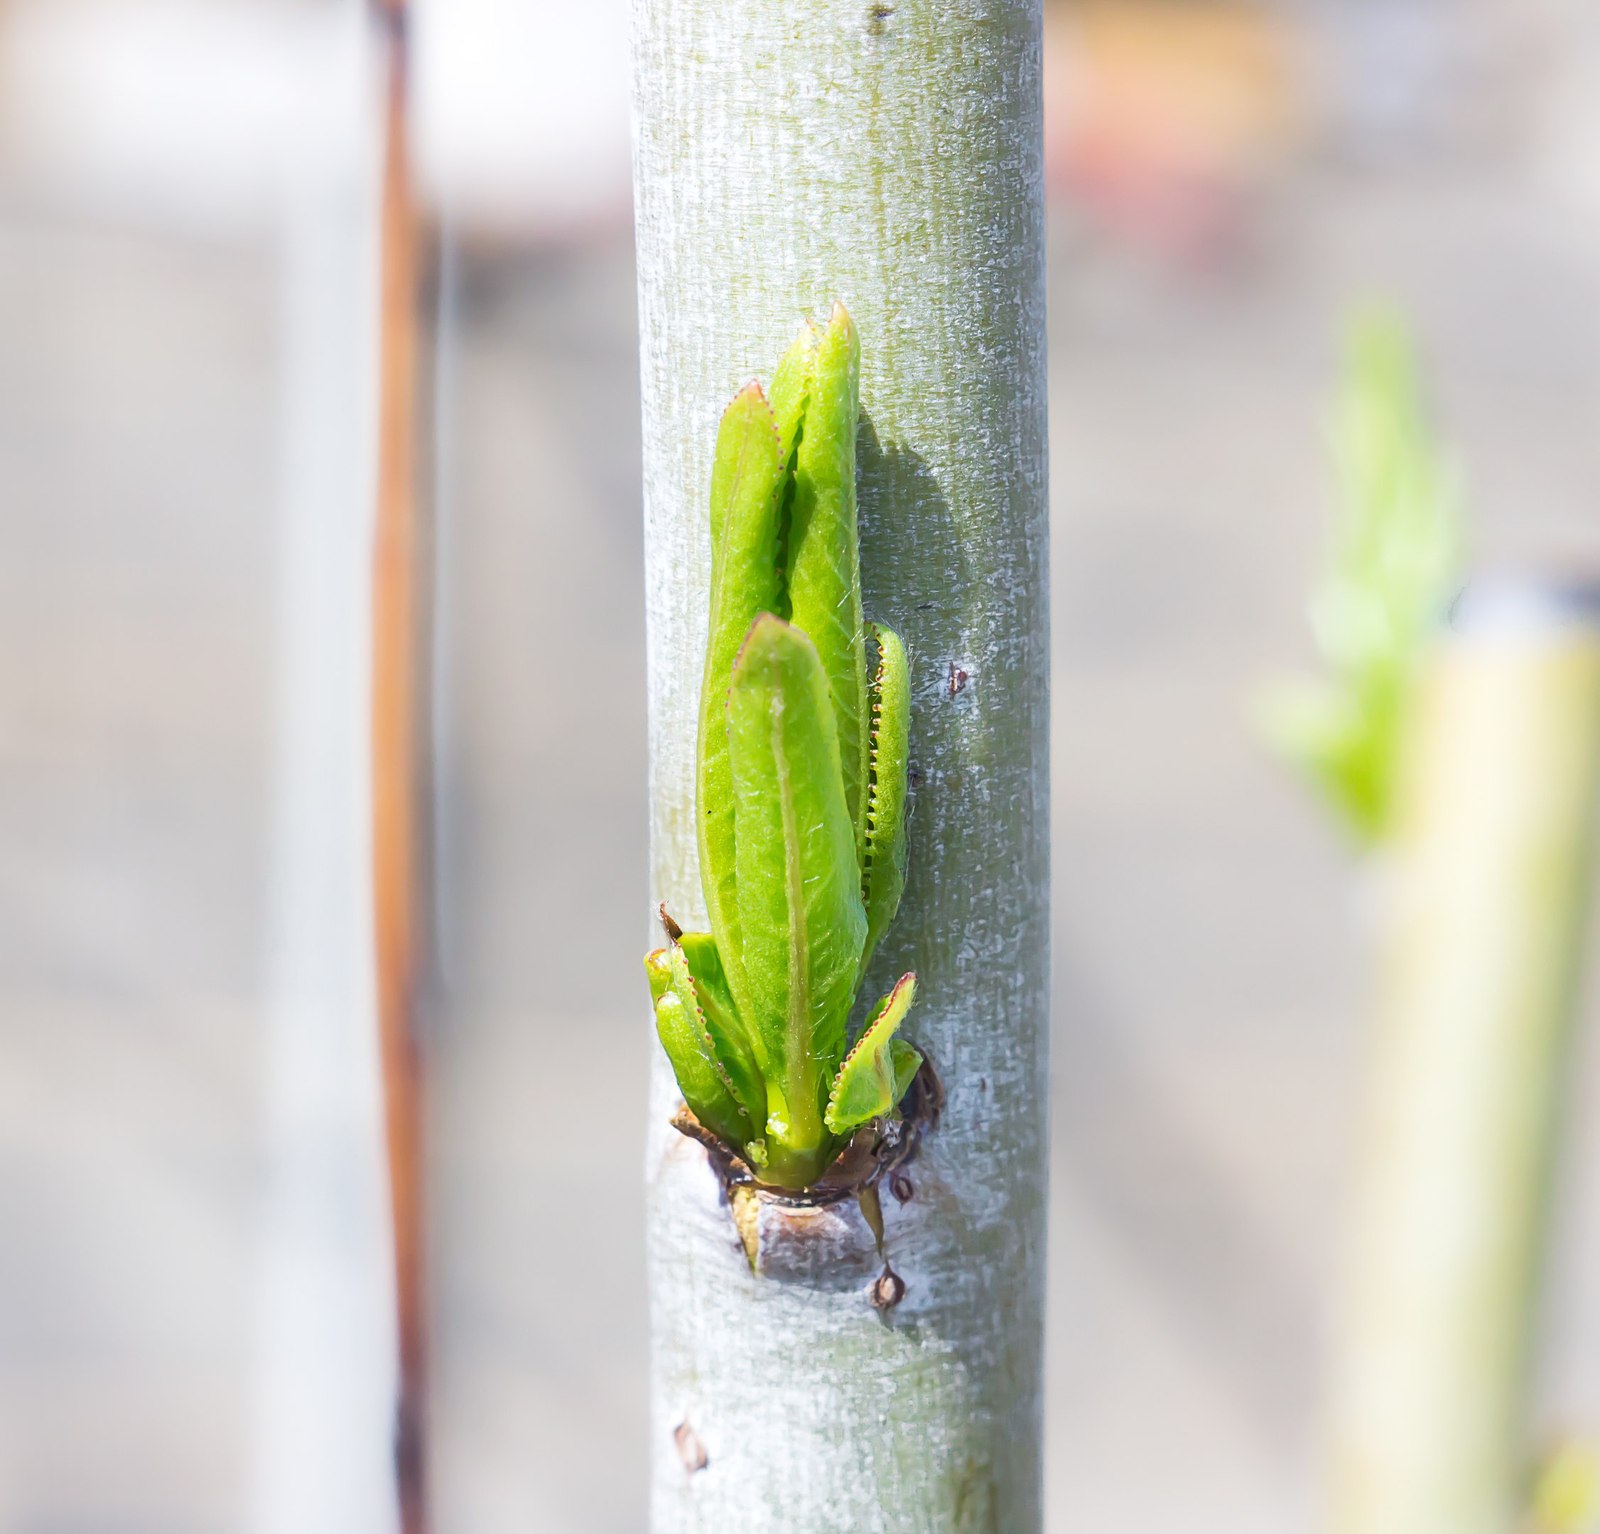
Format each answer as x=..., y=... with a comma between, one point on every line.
x=888, y=156
x=1490, y=859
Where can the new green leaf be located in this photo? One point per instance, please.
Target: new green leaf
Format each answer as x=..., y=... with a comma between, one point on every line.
x=798, y=879
x=698, y=978
x=791, y=391
x=800, y=793
x=747, y=482
x=877, y=1071
x=823, y=559
x=701, y=1076
x=883, y=857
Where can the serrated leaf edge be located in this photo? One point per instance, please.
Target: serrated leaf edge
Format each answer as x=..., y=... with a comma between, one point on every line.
x=686, y=989
x=873, y=794
x=886, y=1018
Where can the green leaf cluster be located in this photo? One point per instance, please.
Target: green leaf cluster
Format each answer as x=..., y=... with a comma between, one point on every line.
x=801, y=792
x=1394, y=565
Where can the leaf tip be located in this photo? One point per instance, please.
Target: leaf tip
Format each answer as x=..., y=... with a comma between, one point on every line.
x=751, y=394
x=658, y=971
x=766, y=637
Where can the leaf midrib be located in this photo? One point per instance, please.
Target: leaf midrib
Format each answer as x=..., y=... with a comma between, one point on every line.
x=802, y=1112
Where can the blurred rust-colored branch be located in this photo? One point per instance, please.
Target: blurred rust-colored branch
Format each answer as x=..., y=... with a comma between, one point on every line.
x=397, y=766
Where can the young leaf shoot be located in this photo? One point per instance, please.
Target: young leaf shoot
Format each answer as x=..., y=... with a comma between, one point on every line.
x=1395, y=564
x=801, y=791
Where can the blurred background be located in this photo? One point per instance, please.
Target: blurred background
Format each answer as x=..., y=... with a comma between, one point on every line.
x=189, y=1186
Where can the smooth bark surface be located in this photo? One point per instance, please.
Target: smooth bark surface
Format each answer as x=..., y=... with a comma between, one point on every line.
x=888, y=156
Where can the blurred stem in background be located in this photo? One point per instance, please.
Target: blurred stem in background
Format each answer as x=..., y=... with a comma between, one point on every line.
x=1466, y=761
x=329, y=1374
x=1490, y=843
x=399, y=616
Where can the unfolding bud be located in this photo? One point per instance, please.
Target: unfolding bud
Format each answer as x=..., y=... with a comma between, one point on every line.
x=801, y=791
